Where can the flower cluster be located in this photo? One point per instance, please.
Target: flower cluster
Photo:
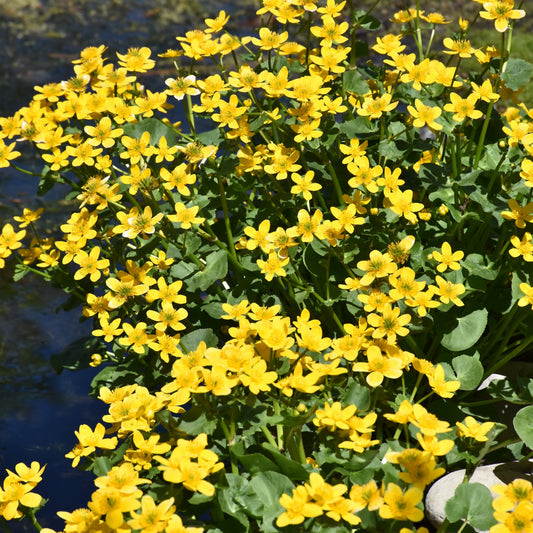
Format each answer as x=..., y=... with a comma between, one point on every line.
x=17, y=492
x=297, y=285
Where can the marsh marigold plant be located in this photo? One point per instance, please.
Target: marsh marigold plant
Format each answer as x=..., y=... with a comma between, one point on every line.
x=299, y=259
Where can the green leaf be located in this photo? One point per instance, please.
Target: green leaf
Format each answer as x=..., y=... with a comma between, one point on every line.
x=290, y=468
x=268, y=487
x=467, y=332
x=314, y=263
x=473, y=502
x=366, y=21
x=20, y=272
x=194, y=338
x=357, y=395
x=101, y=466
x=213, y=136
x=216, y=268
x=154, y=127
x=469, y=371
x=233, y=498
x=195, y=421
x=392, y=149
x=354, y=82
x=523, y=425
x=256, y=463
x=75, y=356
x=517, y=73
x=478, y=265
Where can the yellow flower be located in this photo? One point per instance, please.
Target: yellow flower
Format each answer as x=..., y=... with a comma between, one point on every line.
x=229, y=112
x=528, y=298
x=31, y=475
x=460, y=47
x=297, y=507
x=375, y=107
x=180, y=87
x=473, y=429
x=83, y=154
x=389, y=44
x=512, y=494
x=136, y=148
x=273, y=266
x=113, y=503
x=304, y=184
x=378, y=265
x=186, y=216
x=463, y=107
x=425, y=115
x=104, y=133
x=428, y=423
x=485, y=91
x=330, y=32
x=404, y=284
x=14, y=494
x=401, y=203
x=501, y=12
x=390, y=323
x=368, y=495
x=136, y=337
x=334, y=416
x=269, y=40
x=7, y=153
x=134, y=223
x=89, y=440
x=438, y=383
x=520, y=520
x=364, y=174
x=307, y=225
x=256, y=377
x=398, y=505
x=136, y=59
x=522, y=247
x=379, y=366
x=90, y=264
x=307, y=130
x=519, y=214
x=446, y=258
x=153, y=517
x=421, y=468
x=353, y=151
x=449, y=291
x=168, y=317
x=347, y=217
x=10, y=239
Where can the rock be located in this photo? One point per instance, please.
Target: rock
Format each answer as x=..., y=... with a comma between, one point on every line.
x=497, y=474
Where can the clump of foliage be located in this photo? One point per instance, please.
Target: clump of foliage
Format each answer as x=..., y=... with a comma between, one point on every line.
x=295, y=293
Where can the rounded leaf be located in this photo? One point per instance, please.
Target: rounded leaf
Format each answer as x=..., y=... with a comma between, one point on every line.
x=467, y=332
x=469, y=371
x=523, y=424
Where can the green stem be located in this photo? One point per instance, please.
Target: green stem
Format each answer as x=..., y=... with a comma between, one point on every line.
x=33, y=520
x=511, y=355
x=227, y=222
x=269, y=437
x=481, y=141
x=4, y=525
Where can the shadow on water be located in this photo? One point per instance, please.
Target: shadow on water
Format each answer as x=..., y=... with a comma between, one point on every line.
x=40, y=410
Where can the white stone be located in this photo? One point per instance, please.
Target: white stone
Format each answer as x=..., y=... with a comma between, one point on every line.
x=444, y=488
x=489, y=475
